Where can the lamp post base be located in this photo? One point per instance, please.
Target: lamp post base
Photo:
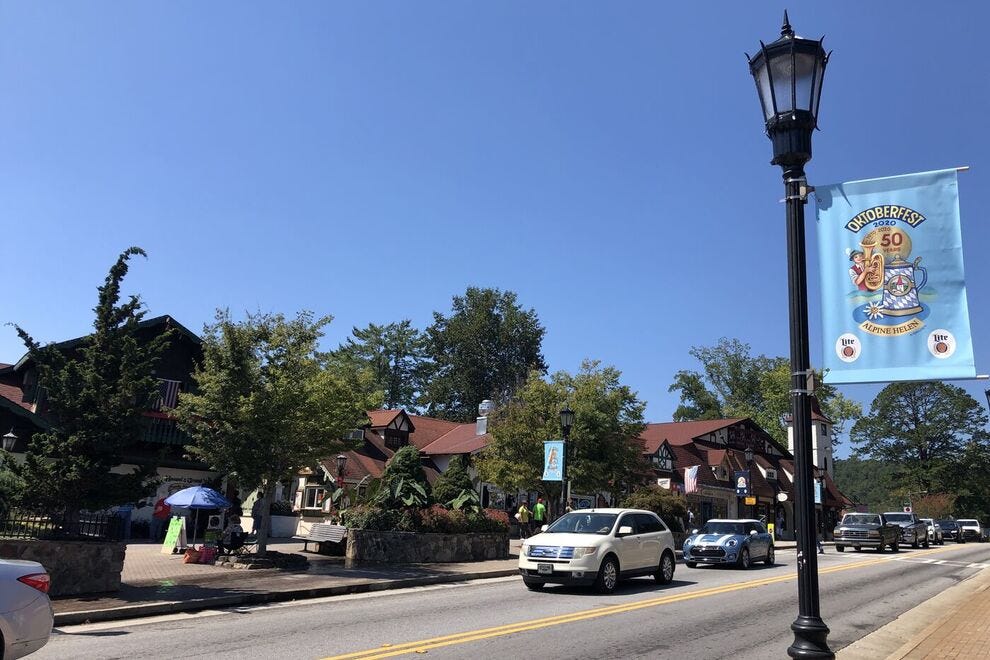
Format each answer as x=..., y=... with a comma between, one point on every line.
x=810, y=639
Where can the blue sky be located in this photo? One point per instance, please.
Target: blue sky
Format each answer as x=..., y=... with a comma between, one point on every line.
x=606, y=161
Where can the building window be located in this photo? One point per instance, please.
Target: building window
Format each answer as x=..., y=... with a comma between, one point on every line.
x=396, y=439
x=313, y=498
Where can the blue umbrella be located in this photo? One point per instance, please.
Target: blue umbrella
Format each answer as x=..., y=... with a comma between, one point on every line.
x=197, y=497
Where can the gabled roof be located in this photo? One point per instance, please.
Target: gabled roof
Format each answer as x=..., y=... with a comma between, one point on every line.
x=681, y=433
x=15, y=394
x=462, y=439
x=429, y=429
x=382, y=418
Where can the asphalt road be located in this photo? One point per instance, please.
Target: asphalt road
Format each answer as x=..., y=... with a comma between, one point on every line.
x=705, y=613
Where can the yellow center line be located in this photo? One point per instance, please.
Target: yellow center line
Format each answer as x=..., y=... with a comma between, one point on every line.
x=422, y=646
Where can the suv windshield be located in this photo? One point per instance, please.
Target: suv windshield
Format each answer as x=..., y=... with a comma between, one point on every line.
x=969, y=523
x=899, y=517
x=722, y=528
x=583, y=523
x=860, y=519
x=947, y=524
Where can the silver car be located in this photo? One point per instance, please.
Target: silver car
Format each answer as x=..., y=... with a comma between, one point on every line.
x=25, y=611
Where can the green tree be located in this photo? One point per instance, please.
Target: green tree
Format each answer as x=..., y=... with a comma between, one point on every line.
x=454, y=480
x=867, y=481
x=603, y=452
x=671, y=507
x=924, y=430
x=12, y=487
x=734, y=383
x=265, y=403
x=404, y=482
x=394, y=354
x=94, y=393
x=483, y=350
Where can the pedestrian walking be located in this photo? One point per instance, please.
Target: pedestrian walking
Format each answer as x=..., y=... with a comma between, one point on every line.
x=539, y=513
x=690, y=519
x=523, y=517
x=256, y=513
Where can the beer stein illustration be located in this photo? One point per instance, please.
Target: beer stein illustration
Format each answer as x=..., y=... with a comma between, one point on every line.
x=900, y=289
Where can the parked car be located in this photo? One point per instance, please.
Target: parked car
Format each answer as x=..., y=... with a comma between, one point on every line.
x=25, y=611
x=935, y=535
x=739, y=542
x=913, y=531
x=951, y=530
x=972, y=530
x=866, y=530
x=598, y=547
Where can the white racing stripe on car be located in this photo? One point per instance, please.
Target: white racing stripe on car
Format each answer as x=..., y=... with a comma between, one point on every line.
x=725, y=538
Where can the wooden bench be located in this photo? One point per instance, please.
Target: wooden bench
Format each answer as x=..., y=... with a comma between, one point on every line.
x=322, y=533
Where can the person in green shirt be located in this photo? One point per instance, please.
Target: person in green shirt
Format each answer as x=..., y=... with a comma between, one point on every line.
x=539, y=513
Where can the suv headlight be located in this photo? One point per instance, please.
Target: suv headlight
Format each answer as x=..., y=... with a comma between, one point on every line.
x=584, y=552
x=525, y=550
x=874, y=533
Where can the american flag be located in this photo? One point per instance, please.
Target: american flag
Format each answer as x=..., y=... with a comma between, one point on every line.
x=168, y=393
x=691, y=479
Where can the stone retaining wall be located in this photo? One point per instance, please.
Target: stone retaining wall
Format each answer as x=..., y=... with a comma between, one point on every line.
x=76, y=567
x=413, y=548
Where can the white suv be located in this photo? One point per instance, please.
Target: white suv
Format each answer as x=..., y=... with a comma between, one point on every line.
x=598, y=546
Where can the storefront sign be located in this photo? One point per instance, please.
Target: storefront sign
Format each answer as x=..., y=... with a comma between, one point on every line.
x=750, y=501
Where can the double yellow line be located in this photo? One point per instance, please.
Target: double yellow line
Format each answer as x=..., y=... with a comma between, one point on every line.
x=422, y=646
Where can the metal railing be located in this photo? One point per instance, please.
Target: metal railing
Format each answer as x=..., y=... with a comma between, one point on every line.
x=84, y=526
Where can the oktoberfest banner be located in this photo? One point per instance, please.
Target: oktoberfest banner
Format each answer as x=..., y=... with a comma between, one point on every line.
x=553, y=460
x=892, y=287
x=742, y=482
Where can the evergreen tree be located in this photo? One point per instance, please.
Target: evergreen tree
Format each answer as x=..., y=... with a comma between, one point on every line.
x=394, y=354
x=452, y=481
x=94, y=394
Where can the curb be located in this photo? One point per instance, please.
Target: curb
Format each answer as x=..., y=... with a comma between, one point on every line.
x=171, y=607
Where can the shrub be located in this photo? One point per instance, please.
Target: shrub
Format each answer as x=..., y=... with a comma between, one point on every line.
x=671, y=508
x=452, y=482
x=435, y=519
x=281, y=508
x=404, y=481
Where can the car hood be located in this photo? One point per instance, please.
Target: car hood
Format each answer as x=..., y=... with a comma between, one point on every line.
x=566, y=539
x=714, y=539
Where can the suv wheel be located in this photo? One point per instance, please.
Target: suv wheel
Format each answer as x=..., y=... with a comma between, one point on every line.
x=895, y=546
x=533, y=585
x=840, y=548
x=881, y=546
x=608, y=576
x=927, y=543
x=665, y=572
x=691, y=564
x=744, y=559
x=914, y=543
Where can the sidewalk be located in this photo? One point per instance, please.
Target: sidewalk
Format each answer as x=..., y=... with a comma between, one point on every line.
x=953, y=624
x=153, y=583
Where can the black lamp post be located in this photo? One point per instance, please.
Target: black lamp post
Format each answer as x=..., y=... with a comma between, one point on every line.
x=566, y=422
x=788, y=74
x=9, y=440
x=748, y=455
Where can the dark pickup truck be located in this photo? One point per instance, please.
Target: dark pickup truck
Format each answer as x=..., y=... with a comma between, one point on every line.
x=866, y=530
x=913, y=530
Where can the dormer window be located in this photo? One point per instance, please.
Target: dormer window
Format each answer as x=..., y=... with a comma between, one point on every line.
x=396, y=439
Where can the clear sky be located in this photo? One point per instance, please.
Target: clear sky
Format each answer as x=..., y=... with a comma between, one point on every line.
x=606, y=161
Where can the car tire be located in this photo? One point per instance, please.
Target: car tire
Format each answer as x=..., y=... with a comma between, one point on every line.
x=533, y=585
x=927, y=543
x=665, y=571
x=914, y=543
x=857, y=548
x=895, y=546
x=608, y=576
x=744, y=560
x=840, y=548
x=769, y=558
x=691, y=564
x=881, y=547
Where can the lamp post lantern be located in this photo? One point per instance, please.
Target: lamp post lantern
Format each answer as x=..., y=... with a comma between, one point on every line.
x=9, y=440
x=788, y=74
x=566, y=422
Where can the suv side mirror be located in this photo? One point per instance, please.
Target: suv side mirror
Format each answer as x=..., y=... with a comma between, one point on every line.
x=544, y=528
x=625, y=530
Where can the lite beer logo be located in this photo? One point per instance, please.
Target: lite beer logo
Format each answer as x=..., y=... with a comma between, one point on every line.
x=887, y=287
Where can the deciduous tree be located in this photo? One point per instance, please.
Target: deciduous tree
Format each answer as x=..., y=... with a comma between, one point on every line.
x=265, y=403
x=483, y=350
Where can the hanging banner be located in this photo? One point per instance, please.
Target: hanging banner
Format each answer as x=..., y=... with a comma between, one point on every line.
x=818, y=492
x=893, y=293
x=553, y=460
x=742, y=483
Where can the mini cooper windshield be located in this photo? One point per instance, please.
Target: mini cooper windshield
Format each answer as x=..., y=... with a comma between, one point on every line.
x=583, y=523
x=722, y=528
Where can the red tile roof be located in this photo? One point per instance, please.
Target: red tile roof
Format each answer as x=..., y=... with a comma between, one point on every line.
x=428, y=429
x=15, y=394
x=382, y=418
x=461, y=439
x=681, y=433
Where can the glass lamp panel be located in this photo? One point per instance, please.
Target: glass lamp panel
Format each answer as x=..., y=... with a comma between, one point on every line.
x=817, y=91
x=782, y=75
x=762, y=76
x=804, y=74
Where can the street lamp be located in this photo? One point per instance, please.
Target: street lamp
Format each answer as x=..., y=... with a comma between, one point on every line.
x=9, y=440
x=566, y=422
x=788, y=74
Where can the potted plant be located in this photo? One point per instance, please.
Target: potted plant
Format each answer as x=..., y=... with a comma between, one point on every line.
x=283, y=519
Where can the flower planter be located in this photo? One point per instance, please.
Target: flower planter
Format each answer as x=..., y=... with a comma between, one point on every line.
x=414, y=548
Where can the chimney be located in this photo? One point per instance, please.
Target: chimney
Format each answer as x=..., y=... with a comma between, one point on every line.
x=481, y=424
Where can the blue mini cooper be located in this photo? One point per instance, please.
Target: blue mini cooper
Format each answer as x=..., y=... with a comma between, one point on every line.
x=739, y=542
